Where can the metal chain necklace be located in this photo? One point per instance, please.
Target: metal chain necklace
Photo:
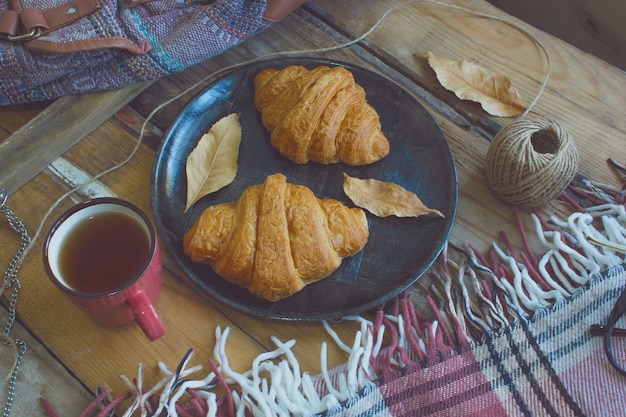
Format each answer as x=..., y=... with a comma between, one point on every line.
x=11, y=280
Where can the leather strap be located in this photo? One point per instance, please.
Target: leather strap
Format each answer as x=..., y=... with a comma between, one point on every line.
x=57, y=17
x=39, y=45
x=9, y=20
x=277, y=10
x=28, y=19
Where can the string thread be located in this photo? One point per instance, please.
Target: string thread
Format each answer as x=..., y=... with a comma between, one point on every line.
x=531, y=161
x=292, y=53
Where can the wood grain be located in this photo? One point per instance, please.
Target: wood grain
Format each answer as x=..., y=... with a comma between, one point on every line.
x=580, y=94
x=100, y=355
x=55, y=130
x=65, y=393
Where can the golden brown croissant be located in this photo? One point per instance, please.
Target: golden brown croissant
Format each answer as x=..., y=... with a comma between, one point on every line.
x=277, y=238
x=320, y=115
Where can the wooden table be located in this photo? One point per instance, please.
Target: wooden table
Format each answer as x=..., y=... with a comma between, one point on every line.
x=46, y=146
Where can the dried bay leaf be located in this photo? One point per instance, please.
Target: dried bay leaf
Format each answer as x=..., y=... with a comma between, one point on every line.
x=384, y=199
x=469, y=81
x=213, y=162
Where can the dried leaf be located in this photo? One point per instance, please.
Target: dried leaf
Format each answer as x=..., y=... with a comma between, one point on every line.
x=469, y=81
x=385, y=199
x=213, y=162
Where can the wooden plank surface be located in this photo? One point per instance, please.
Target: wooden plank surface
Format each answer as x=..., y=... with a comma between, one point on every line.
x=54, y=130
x=34, y=379
x=580, y=94
x=594, y=27
x=100, y=355
x=14, y=117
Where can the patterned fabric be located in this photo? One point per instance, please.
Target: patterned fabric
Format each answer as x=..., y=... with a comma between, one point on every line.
x=549, y=366
x=179, y=33
x=508, y=336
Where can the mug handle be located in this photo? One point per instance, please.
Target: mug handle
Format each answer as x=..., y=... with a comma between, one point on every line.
x=146, y=315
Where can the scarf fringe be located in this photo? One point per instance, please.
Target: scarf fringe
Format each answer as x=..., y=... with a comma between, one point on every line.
x=474, y=295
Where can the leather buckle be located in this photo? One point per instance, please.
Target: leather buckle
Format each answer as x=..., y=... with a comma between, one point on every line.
x=33, y=34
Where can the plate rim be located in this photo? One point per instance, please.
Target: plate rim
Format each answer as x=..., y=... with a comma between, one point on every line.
x=159, y=161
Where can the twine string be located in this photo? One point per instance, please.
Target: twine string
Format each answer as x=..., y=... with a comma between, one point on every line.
x=218, y=73
x=531, y=161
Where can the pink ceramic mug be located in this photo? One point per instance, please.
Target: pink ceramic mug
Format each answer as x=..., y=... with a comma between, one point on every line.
x=104, y=255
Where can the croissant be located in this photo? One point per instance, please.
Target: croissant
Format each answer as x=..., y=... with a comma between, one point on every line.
x=320, y=115
x=277, y=238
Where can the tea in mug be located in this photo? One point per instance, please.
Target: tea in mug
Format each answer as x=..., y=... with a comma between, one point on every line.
x=104, y=252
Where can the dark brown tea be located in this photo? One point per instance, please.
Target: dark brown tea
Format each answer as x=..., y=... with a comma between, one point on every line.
x=103, y=253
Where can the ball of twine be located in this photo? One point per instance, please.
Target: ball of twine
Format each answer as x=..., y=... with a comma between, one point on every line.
x=531, y=161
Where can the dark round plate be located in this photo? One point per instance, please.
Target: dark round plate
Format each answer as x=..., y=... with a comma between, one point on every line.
x=399, y=250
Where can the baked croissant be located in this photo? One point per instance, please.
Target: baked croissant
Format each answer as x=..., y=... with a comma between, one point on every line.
x=319, y=115
x=277, y=238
